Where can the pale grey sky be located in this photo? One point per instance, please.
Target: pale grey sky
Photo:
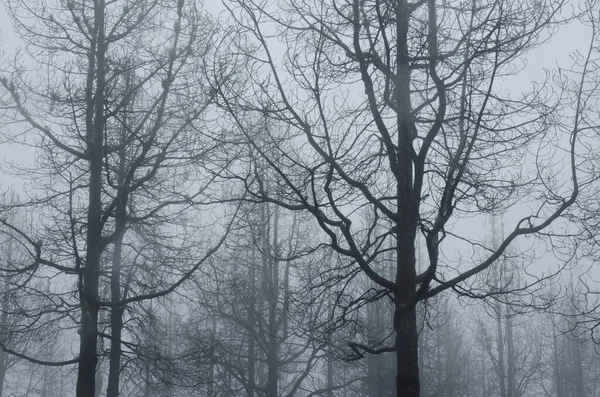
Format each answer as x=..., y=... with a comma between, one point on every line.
x=570, y=38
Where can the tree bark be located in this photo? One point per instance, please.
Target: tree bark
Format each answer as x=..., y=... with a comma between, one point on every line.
x=251, y=320
x=116, y=313
x=4, y=320
x=88, y=354
x=329, y=375
x=2, y=370
x=271, y=275
x=273, y=367
x=405, y=316
x=210, y=383
x=99, y=380
x=116, y=322
x=500, y=347
x=511, y=386
x=558, y=378
x=577, y=369
x=407, y=379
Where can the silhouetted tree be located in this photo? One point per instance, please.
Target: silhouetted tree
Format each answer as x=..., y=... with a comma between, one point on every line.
x=397, y=109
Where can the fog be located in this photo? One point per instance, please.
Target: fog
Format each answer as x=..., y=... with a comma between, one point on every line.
x=299, y=198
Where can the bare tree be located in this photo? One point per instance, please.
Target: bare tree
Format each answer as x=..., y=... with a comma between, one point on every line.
x=397, y=109
x=114, y=107
x=261, y=333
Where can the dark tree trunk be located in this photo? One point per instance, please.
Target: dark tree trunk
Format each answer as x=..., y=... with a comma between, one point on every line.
x=116, y=312
x=407, y=379
x=330, y=375
x=405, y=316
x=88, y=355
x=251, y=320
x=116, y=323
x=2, y=370
x=4, y=321
x=270, y=284
x=273, y=368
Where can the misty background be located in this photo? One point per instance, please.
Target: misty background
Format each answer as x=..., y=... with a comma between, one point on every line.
x=299, y=198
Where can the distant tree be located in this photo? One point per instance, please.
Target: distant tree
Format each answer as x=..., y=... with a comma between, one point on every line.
x=31, y=308
x=446, y=361
x=261, y=333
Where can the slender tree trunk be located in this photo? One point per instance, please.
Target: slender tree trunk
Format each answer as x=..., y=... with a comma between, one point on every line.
x=99, y=380
x=577, y=369
x=371, y=361
x=116, y=312
x=500, y=347
x=88, y=354
x=483, y=378
x=45, y=382
x=558, y=380
x=423, y=352
x=4, y=324
x=210, y=383
x=116, y=322
x=511, y=386
x=251, y=320
x=147, y=392
x=271, y=278
x=330, y=375
x=2, y=370
x=273, y=368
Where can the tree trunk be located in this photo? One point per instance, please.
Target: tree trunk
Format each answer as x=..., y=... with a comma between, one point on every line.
x=210, y=382
x=4, y=320
x=558, y=379
x=116, y=322
x=89, y=282
x=329, y=375
x=272, y=282
x=405, y=315
x=511, y=389
x=99, y=380
x=483, y=378
x=116, y=313
x=86, y=377
x=273, y=367
x=500, y=347
x=407, y=379
x=147, y=390
x=45, y=382
x=577, y=369
x=251, y=320
x=2, y=370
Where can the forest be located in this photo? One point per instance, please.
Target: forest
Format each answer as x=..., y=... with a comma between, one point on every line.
x=299, y=198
